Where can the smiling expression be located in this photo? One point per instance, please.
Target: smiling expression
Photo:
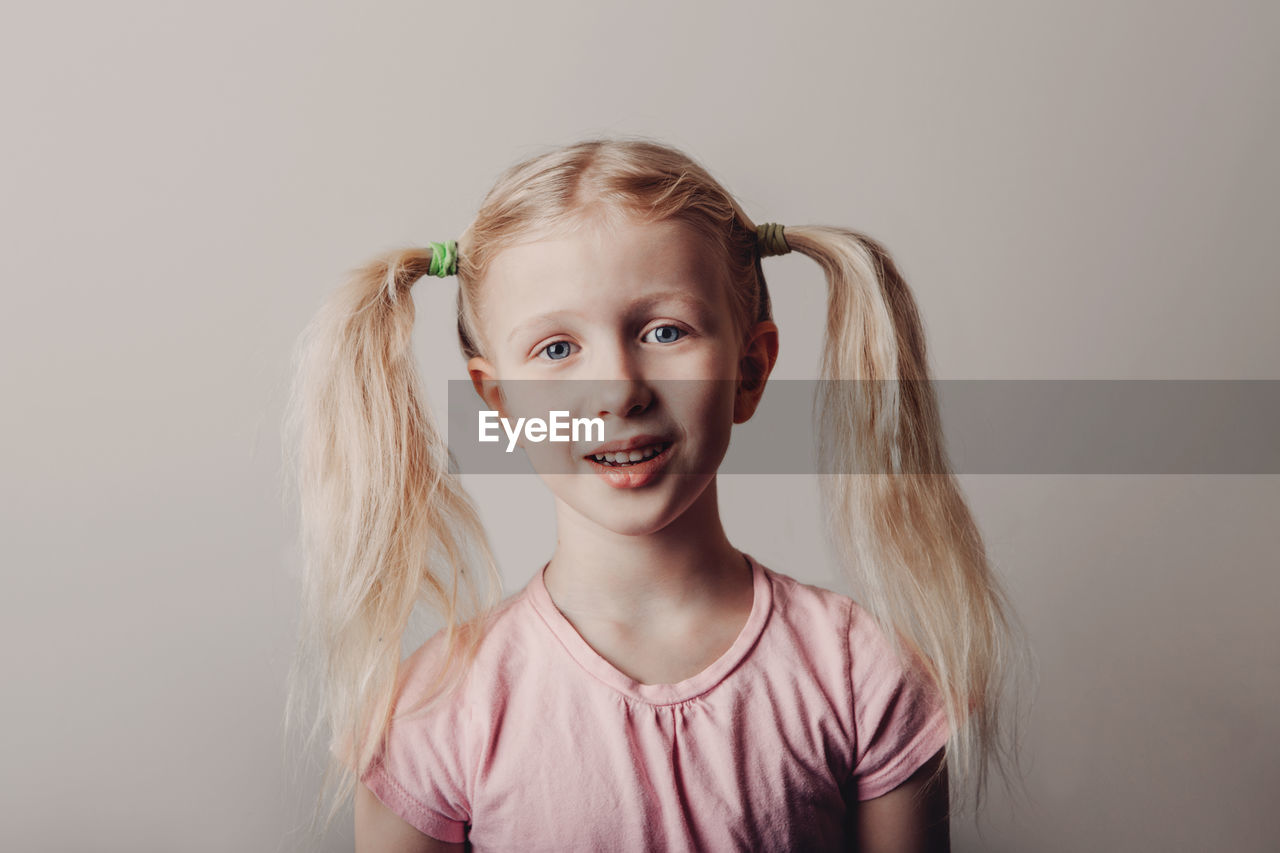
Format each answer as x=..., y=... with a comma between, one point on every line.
x=633, y=323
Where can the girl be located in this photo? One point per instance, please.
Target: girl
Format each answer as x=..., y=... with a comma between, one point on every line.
x=651, y=687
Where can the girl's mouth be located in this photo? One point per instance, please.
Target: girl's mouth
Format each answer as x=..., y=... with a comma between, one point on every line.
x=628, y=458
x=631, y=469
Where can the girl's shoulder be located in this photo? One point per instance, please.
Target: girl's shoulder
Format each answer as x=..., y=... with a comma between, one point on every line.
x=818, y=614
x=441, y=661
x=808, y=605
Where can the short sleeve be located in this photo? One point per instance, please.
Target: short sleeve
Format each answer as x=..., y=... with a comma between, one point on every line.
x=899, y=720
x=421, y=773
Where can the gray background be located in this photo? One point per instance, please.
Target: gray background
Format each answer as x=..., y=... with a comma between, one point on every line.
x=1074, y=191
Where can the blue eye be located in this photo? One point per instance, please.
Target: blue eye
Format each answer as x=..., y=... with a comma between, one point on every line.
x=556, y=350
x=667, y=334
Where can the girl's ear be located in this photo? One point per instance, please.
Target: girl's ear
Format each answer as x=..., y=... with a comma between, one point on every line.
x=754, y=367
x=484, y=378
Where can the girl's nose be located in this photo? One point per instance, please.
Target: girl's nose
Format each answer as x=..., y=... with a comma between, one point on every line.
x=621, y=397
x=620, y=388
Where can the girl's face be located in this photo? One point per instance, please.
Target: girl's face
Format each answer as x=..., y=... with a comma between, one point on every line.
x=633, y=324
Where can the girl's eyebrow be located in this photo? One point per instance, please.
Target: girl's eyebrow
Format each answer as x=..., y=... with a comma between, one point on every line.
x=647, y=302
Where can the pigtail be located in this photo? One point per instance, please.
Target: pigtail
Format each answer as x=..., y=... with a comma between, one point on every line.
x=903, y=529
x=385, y=523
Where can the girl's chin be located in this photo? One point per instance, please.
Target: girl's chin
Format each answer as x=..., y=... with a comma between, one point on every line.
x=631, y=514
x=631, y=528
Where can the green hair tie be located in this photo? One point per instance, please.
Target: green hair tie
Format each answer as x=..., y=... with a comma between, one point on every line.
x=771, y=240
x=444, y=258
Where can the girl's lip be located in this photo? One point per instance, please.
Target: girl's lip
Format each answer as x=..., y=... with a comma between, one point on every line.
x=635, y=475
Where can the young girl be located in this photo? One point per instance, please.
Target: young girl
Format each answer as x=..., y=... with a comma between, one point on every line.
x=651, y=687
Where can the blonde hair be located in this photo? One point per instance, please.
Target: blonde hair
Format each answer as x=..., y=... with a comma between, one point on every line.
x=386, y=525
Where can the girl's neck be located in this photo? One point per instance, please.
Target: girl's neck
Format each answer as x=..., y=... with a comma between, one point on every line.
x=687, y=568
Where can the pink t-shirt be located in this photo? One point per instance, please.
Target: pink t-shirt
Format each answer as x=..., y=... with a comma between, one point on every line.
x=548, y=746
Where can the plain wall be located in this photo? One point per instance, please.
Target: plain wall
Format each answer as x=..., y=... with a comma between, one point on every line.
x=1072, y=190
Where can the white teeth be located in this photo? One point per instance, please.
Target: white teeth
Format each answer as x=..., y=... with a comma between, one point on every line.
x=627, y=456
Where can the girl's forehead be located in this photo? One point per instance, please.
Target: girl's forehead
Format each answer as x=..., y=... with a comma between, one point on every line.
x=619, y=249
